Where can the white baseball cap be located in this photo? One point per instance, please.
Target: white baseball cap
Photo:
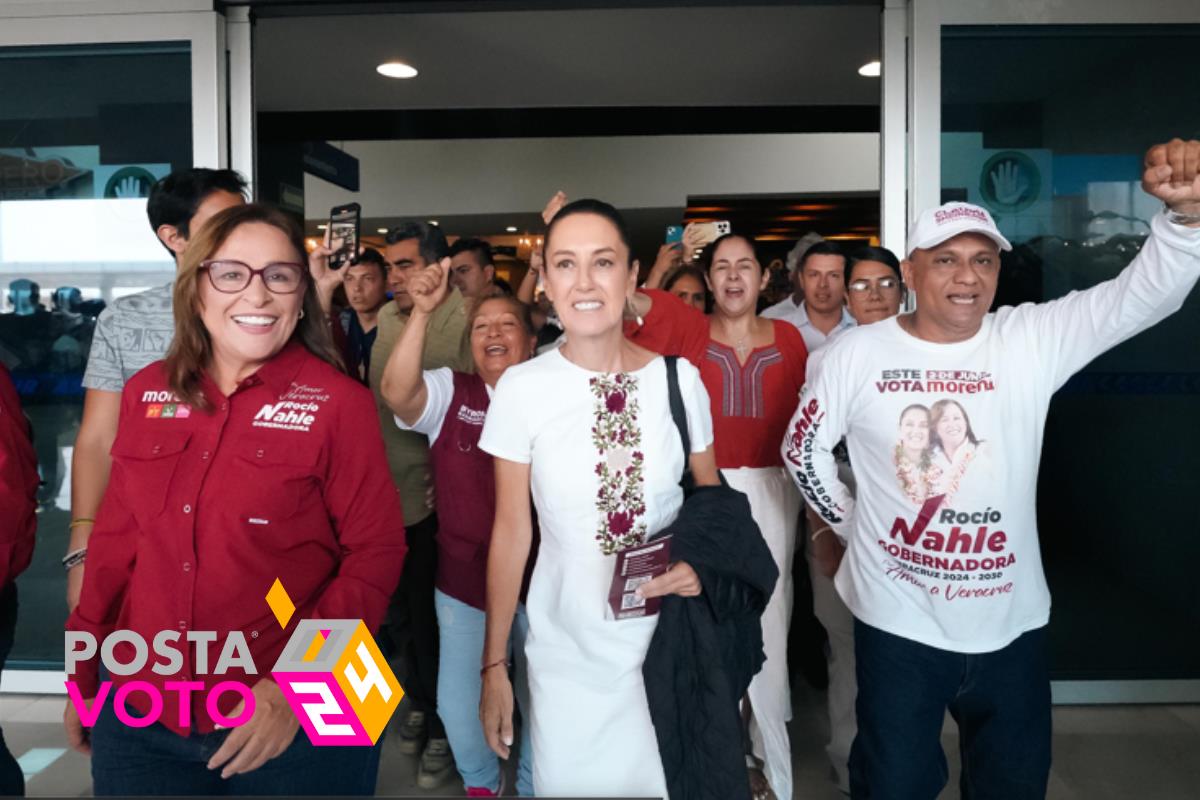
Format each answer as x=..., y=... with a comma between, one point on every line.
x=936, y=225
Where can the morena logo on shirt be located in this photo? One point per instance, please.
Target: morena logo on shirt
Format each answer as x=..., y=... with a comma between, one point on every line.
x=159, y=396
x=331, y=672
x=163, y=404
x=935, y=380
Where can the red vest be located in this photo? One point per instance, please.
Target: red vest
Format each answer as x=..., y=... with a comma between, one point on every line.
x=466, y=495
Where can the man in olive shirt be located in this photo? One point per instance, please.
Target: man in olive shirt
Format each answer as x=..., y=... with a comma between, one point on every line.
x=412, y=619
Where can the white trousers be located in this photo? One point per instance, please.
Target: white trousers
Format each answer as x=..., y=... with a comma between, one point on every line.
x=838, y=622
x=775, y=506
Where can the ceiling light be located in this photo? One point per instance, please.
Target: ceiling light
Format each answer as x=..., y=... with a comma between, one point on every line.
x=396, y=69
x=870, y=69
x=322, y=227
x=511, y=229
x=381, y=230
x=433, y=222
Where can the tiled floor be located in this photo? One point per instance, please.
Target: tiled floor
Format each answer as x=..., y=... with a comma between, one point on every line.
x=1100, y=752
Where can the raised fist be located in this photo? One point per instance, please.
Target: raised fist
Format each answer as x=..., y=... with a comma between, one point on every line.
x=428, y=286
x=1173, y=175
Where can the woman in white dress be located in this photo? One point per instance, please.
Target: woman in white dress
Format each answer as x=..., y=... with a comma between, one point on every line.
x=588, y=428
x=955, y=449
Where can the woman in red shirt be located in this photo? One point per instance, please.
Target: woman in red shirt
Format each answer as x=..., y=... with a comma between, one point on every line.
x=18, y=523
x=244, y=457
x=753, y=369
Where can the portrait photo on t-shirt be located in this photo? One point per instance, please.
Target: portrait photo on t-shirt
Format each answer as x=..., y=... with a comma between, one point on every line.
x=935, y=447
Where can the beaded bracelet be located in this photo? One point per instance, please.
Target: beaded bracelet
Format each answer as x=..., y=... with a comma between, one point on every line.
x=74, y=558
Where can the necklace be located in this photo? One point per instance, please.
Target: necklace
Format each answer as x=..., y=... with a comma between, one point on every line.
x=741, y=347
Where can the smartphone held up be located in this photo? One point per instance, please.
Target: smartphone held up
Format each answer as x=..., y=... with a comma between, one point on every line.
x=344, y=230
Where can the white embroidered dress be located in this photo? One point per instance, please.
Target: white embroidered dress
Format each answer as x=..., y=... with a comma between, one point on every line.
x=605, y=464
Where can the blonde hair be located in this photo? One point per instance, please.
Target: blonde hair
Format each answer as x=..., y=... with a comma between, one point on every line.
x=191, y=350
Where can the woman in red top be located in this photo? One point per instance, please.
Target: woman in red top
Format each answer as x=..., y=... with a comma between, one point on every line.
x=753, y=369
x=18, y=522
x=245, y=457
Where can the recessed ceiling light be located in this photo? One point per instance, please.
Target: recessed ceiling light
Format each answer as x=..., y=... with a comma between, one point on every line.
x=396, y=69
x=870, y=69
x=511, y=229
x=381, y=230
x=322, y=227
x=433, y=222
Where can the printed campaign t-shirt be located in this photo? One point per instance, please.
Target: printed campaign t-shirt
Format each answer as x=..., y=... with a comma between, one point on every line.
x=131, y=334
x=942, y=542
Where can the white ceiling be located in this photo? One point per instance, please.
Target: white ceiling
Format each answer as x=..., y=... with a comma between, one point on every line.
x=733, y=56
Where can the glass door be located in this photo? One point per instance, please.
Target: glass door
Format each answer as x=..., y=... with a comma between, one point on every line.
x=93, y=110
x=1042, y=113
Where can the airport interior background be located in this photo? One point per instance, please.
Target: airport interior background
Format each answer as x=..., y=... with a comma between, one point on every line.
x=756, y=113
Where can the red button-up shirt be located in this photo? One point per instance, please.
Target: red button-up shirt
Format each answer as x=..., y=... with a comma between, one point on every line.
x=284, y=478
x=18, y=485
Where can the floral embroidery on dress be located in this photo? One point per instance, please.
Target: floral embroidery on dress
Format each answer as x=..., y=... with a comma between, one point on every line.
x=617, y=438
x=917, y=479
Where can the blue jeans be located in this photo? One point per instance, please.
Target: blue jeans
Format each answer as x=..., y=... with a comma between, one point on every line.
x=1000, y=700
x=461, y=628
x=156, y=761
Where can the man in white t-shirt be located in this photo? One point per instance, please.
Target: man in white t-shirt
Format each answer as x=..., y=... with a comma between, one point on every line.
x=943, y=411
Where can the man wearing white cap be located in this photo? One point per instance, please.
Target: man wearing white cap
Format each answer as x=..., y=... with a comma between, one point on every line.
x=943, y=411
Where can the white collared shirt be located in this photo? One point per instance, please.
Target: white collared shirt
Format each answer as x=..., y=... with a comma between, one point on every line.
x=797, y=314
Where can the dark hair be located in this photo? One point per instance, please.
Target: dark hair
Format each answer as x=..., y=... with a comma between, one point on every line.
x=936, y=411
x=825, y=248
x=711, y=251
x=191, y=348
x=867, y=253
x=590, y=206
x=684, y=272
x=174, y=199
x=481, y=249
x=370, y=255
x=431, y=242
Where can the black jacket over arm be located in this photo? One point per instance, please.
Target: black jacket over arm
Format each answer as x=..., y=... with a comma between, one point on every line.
x=706, y=649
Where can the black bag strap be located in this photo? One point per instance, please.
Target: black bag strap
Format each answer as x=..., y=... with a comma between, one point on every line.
x=678, y=412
